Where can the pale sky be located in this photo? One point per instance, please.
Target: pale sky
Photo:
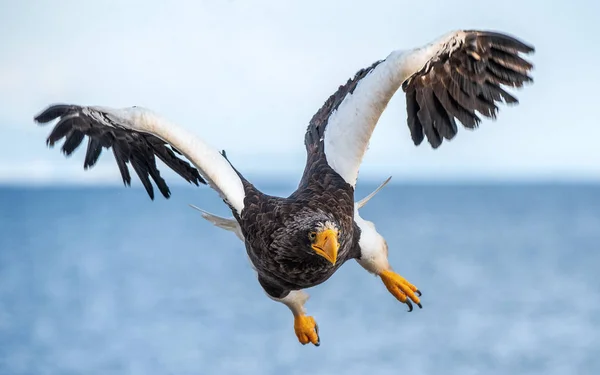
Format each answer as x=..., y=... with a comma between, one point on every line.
x=247, y=76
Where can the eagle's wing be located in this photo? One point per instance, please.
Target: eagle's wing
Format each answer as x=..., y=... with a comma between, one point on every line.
x=450, y=78
x=136, y=136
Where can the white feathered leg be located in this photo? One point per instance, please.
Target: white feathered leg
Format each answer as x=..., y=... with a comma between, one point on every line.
x=305, y=326
x=374, y=258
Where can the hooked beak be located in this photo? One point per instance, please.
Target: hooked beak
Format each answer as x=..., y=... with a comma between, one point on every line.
x=326, y=245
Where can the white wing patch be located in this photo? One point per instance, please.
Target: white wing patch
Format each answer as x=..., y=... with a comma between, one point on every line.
x=350, y=126
x=212, y=165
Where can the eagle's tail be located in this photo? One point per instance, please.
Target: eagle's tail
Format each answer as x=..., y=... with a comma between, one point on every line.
x=229, y=224
x=364, y=201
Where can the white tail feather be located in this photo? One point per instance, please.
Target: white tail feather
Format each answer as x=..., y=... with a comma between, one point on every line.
x=229, y=224
x=364, y=201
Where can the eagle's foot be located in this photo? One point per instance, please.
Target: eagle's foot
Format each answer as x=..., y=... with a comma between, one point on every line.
x=307, y=330
x=401, y=288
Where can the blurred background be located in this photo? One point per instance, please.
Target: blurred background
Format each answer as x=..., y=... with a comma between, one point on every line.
x=500, y=228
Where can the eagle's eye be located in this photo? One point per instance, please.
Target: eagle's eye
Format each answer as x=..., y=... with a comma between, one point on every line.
x=312, y=236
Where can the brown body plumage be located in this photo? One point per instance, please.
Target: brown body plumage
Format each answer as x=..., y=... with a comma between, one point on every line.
x=276, y=229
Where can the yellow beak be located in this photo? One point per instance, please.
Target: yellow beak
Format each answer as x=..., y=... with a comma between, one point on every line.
x=327, y=245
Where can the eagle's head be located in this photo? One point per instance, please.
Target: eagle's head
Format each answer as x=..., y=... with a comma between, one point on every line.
x=323, y=239
x=317, y=235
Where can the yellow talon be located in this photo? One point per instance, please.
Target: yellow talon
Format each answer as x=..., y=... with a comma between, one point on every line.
x=306, y=329
x=401, y=288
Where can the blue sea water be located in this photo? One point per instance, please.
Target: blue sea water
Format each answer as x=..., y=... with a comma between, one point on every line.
x=105, y=281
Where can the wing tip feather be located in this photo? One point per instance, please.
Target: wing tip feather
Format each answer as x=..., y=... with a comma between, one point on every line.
x=74, y=126
x=53, y=112
x=476, y=70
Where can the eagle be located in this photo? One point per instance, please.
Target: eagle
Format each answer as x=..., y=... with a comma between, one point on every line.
x=299, y=241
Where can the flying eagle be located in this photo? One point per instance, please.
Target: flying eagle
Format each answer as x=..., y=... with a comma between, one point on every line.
x=299, y=241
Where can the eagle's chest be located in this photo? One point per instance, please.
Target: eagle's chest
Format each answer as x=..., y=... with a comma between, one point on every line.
x=295, y=269
x=276, y=230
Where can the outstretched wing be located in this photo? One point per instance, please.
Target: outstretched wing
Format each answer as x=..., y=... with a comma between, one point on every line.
x=104, y=130
x=450, y=78
x=137, y=136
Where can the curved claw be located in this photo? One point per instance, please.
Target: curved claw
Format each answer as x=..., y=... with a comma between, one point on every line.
x=401, y=289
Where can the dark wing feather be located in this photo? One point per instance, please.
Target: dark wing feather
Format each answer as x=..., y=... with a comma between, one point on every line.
x=412, y=107
x=73, y=140
x=465, y=77
x=92, y=155
x=128, y=146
